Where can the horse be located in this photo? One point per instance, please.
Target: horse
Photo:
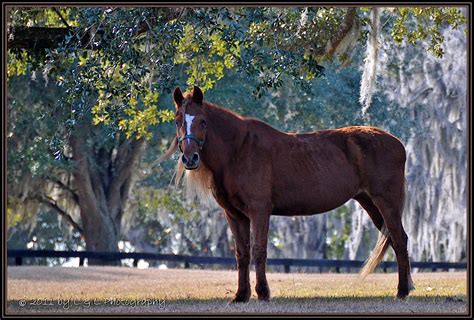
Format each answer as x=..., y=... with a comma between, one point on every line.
x=255, y=171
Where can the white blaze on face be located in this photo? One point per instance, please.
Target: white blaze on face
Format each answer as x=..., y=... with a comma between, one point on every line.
x=189, y=121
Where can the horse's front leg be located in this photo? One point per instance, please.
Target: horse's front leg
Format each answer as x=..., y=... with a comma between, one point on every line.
x=260, y=221
x=240, y=227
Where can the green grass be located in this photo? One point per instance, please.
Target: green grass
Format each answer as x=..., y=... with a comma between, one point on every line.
x=93, y=289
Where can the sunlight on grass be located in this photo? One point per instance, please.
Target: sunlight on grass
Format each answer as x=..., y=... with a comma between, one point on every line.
x=210, y=290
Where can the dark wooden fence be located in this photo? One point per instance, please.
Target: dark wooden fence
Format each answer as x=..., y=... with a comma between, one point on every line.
x=18, y=255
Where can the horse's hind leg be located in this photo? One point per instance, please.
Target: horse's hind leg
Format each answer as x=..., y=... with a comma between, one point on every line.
x=390, y=204
x=364, y=200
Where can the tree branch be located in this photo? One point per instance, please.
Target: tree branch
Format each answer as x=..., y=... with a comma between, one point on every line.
x=65, y=187
x=121, y=157
x=81, y=169
x=124, y=172
x=344, y=29
x=39, y=38
x=54, y=205
x=61, y=17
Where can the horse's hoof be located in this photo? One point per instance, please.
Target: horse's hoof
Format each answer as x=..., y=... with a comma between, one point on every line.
x=401, y=296
x=263, y=293
x=263, y=296
x=240, y=298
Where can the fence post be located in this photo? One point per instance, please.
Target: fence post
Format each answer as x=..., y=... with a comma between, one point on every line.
x=81, y=261
x=18, y=261
x=287, y=268
x=186, y=265
x=135, y=263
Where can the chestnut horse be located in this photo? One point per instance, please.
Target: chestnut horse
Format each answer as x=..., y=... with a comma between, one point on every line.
x=255, y=171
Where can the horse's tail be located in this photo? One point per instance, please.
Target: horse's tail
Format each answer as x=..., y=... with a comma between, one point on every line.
x=382, y=244
x=378, y=253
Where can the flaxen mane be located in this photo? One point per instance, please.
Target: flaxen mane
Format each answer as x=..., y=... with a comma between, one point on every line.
x=199, y=182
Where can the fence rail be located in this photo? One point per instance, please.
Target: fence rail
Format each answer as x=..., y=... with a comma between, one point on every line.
x=18, y=255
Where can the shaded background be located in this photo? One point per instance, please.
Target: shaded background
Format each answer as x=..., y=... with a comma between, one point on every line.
x=60, y=106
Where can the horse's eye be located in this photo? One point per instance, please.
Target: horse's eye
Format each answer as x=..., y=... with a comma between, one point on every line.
x=203, y=124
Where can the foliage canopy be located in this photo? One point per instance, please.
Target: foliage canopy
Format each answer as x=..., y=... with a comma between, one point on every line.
x=115, y=63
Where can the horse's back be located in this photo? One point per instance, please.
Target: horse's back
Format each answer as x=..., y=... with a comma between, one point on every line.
x=322, y=170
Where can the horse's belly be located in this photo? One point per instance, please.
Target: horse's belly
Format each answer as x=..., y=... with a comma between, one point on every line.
x=314, y=195
x=312, y=206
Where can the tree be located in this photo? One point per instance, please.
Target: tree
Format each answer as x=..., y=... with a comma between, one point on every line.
x=434, y=90
x=94, y=172
x=113, y=67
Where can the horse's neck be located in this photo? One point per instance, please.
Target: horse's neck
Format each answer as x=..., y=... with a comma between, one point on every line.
x=224, y=136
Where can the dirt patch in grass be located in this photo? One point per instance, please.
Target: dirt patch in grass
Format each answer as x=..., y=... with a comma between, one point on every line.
x=126, y=290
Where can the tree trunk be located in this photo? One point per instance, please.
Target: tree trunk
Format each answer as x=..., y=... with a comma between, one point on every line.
x=103, y=177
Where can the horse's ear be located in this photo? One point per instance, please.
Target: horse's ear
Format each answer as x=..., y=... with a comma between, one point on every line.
x=197, y=95
x=178, y=96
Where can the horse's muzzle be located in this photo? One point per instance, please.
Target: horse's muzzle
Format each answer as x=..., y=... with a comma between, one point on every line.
x=191, y=163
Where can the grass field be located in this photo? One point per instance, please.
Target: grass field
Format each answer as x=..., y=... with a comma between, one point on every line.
x=125, y=290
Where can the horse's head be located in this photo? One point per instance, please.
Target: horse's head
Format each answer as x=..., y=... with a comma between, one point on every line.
x=191, y=126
